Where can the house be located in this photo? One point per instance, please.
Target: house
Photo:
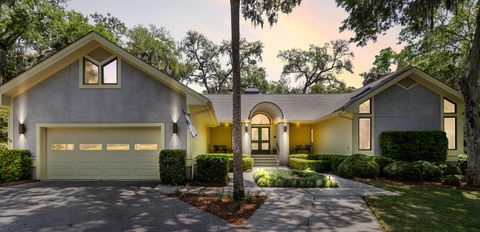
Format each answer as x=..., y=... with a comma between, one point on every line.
x=94, y=111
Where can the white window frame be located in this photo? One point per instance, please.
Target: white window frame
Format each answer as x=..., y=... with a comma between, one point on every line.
x=100, y=65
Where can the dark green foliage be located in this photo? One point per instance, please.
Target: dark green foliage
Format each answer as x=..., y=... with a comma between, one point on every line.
x=449, y=169
x=247, y=161
x=300, y=156
x=452, y=180
x=403, y=170
x=304, y=164
x=292, y=178
x=382, y=161
x=15, y=165
x=172, y=166
x=414, y=145
x=359, y=165
x=428, y=170
x=333, y=160
x=211, y=169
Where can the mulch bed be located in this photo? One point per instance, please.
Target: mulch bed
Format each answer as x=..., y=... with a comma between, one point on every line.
x=15, y=183
x=223, y=206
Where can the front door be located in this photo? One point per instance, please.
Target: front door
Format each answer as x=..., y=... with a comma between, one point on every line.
x=260, y=140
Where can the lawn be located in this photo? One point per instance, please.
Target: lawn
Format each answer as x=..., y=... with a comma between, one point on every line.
x=426, y=208
x=292, y=178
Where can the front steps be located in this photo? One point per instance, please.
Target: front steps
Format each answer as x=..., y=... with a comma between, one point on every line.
x=264, y=160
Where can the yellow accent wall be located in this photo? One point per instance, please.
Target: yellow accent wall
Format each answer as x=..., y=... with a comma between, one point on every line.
x=199, y=143
x=220, y=135
x=299, y=135
x=333, y=135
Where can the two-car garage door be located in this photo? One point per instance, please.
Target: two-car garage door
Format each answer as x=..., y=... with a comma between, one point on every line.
x=103, y=153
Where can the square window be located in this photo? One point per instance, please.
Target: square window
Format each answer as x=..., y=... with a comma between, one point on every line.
x=449, y=107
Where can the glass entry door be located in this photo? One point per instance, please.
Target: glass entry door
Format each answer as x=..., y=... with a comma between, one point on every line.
x=260, y=140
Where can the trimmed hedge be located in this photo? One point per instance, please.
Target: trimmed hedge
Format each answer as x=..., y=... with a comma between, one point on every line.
x=212, y=169
x=299, y=156
x=304, y=164
x=15, y=165
x=403, y=170
x=359, y=165
x=247, y=161
x=334, y=160
x=172, y=166
x=414, y=145
x=292, y=178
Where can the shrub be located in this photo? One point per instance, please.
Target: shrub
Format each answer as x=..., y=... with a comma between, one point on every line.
x=304, y=164
x=359, y=165
x=292, y=178
x=449, y=169
x=414, y=145
x=247, y=161
x=382, y=161
x=15, y=165
x=299, y=156
x=333, y=160
x=212, y=169
x=462, y=163
x=403, y=170
x=451, y=180
x=172, y=166
x=428, y=170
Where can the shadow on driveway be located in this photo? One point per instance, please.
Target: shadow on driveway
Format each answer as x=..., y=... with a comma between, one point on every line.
x=98, y=206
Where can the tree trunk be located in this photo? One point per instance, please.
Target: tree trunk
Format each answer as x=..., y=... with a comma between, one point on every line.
x=470, y=86
x=238, y=188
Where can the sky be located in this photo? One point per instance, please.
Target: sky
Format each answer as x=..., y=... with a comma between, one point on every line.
x=313, y=22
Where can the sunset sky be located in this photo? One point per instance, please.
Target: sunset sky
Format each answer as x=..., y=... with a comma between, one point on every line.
x=313, y=22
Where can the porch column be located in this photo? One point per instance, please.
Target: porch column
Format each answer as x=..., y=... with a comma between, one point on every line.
x=246, y=139
x=283, y=142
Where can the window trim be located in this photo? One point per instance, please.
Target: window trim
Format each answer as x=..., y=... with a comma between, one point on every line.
x=100, y=65
x=358, y=139
x=455, y=130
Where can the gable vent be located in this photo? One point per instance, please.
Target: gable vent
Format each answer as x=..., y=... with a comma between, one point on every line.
x=407, y=83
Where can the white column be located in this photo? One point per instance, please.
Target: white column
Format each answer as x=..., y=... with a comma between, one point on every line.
x=283, y=140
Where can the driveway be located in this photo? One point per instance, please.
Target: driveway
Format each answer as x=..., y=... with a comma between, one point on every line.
x=98, y=206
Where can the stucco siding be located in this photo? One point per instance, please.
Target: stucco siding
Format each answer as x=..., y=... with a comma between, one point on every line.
x=58, y=99
x=333, y=136
x=399, y=109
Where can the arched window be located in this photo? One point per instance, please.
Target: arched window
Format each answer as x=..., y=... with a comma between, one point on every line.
x=261, y=119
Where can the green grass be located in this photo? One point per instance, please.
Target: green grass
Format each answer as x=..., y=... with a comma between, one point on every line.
x=421, y=208
x=292, y=178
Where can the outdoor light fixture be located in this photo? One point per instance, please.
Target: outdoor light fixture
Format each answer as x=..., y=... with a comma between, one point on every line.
x=285, y=128
x=22, y=128
x=246, y=129
x=175, y=128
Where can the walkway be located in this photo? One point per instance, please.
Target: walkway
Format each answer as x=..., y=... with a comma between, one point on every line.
x=310, y=209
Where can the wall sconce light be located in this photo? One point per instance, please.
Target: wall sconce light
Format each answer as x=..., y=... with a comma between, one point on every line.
x=175, y=128
x=22, y=128
x=285, y=128
x=246, y=129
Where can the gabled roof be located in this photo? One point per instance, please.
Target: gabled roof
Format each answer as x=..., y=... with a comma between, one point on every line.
x=64, y=57
x=311, y=107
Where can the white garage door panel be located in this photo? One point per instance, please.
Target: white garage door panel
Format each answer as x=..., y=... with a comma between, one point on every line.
x=103, y=164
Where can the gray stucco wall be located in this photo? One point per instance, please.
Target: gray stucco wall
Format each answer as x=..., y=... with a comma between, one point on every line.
x=141, y=99
x=398, y=109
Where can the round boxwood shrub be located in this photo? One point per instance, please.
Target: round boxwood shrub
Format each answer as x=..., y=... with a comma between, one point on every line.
x=402, y=170
x=212, y=169
x=172, y=166
x=359, y=165
x=451, y=180
x=448, y=169
x=428, y=170
x=382, y=161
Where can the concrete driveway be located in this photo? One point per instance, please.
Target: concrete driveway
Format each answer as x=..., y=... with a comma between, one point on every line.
x=98, y=206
